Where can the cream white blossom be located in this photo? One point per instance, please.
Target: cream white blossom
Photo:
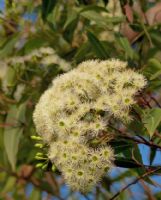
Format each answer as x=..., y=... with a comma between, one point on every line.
x=68, y=117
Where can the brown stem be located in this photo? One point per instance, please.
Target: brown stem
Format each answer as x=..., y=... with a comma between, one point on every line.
x=139, y=141
x=134, y=182
x=157, y=103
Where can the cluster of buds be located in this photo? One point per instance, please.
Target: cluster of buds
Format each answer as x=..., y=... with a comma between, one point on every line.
x=76, y=110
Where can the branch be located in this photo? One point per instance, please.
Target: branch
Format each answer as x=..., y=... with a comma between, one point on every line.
x=134, y=182
x=156, y=101
x=30, y=178
x=139, y=141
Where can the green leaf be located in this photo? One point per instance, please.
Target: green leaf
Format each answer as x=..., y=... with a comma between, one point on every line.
x=9, y=185
x=125, y=45
x=47, y=7
x=94, y=8
x=32, y=44
x=82, y=52
x=120, y=145
x=69, y=28
x=156, y=38
x=97, y=46
x=11, y=141
x=99, y=19
x=152, y=155
x=35, y=195
x=11, y=77
x=1, y=134
x=71, y=17
x=94, y=16
x=158, y=195
x=9, y=46
x=153, y=69
x=154, y=85
x=137, y=127
x=13, y=132
x=151, y=119
x=136, y=154
x=126, y=163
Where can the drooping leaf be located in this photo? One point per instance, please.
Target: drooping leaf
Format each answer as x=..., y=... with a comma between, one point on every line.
x=82, y=52
x=151, y=119
x=9, y=185
x=156, y=38
x=99, y=19
x=94, y=8
x=8, y=46
x=126, y=163
x=32, y=44
x=120, y=145
x=47, y=7
x=35, y=194
x=97, y=46
x=125, y=45
x=13, y=132
x=152, y=155
x=153, y=69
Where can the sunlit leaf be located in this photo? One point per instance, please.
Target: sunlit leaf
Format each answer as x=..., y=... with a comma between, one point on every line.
x=151, y=119
x=13, y=132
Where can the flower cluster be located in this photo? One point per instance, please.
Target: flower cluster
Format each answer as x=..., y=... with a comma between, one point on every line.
x=76, y=110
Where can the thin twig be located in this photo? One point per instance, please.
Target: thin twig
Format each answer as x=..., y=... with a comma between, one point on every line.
x=35, y=181
x=157, y=103
x=139, y=141
x=134, y=182
x=157, y=134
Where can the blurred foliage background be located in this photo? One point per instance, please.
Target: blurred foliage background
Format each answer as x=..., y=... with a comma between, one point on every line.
x=40, y=40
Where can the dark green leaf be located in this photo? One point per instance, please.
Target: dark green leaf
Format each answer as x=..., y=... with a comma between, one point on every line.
x=153, y=69
x=8, y=47
x=152, y=155
x=47, y=7
x=126, y=163
x=156, y=38
x=97, y=46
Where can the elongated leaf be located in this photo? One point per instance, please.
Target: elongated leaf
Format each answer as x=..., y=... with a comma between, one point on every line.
x=151, y=119
x=8, y=46
x=152, y=155
x=125, y=45
x=32, y=44
x=82, y=52
x=156, y=38
x=11, y=77
x=97, y=46
x=13, y=132
x=121, y=145
x=9, y=185
x=35, y=195
x=94, y=8
x=11, y=141
x=47, y=7
x=153, y=69
x=126, y=163
x=72, y=16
